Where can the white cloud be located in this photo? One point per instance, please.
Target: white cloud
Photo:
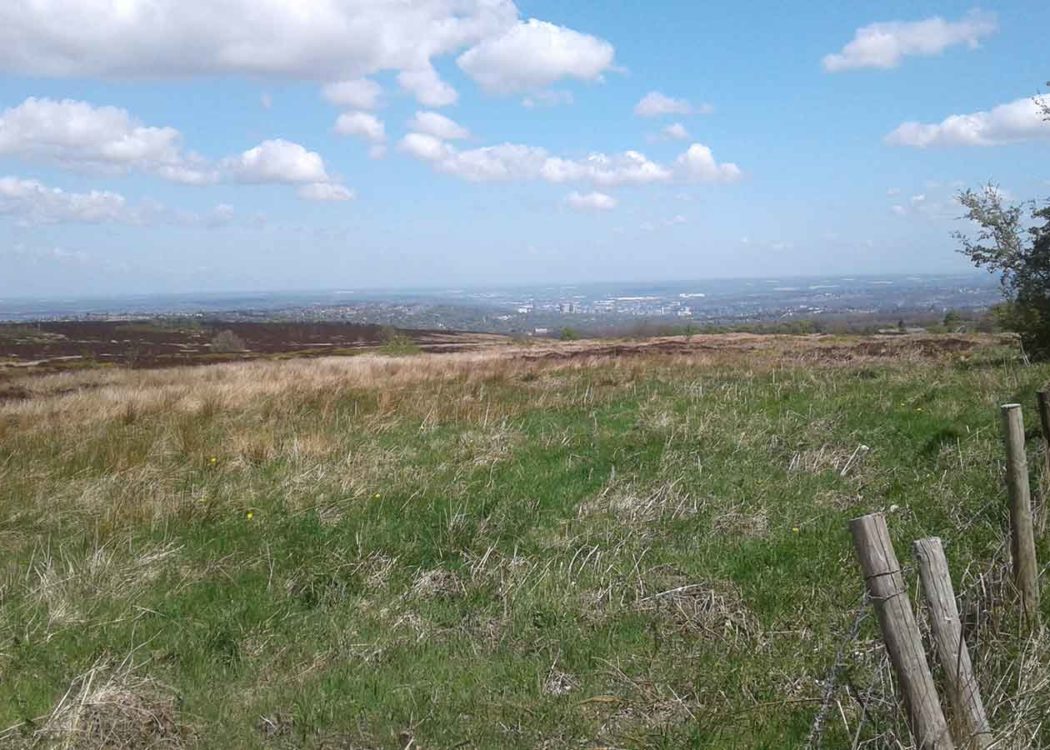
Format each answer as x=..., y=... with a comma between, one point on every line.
x=698, y=163
x=361, y=124
x=534, y=54
x=425, y=147
x=360, y=93
x=31, y=202
x=510, y=161
x=277, y=161
x=325, y=191
x=516, y=162
x=655, y=104
x=547, y=98
x=35, y=203
x=676, y=132
x=1020, y=120
x=428, y=88
x=884, y=45
x=331, y=40
x=437, y=125
x=590, y=201
x=78, y=135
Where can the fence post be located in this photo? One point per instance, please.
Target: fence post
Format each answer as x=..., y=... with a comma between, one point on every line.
x=1043, y=400
x=971, y=722
x=900, y=632
x=1022, y=539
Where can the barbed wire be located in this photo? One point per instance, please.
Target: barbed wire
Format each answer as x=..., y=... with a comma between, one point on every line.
x=816, y=732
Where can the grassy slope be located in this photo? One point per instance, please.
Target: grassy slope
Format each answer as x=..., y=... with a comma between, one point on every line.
x=477, y=558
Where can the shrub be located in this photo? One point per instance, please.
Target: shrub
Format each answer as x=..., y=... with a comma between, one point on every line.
x=227, y=341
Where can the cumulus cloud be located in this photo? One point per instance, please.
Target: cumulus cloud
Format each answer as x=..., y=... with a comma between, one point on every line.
x=83, y=137
x=360, y=93
x=35, y=203
x=333, y=40
x=325, y=192
x=277, y=161
x=428, y=88
x=340, y=42
x=655, y=104
x=78, y=135
x=30, y=202
x=517, y=162
x=362, y=125
x=1019, y=120
x=424, y=146
x=590, y=201
x=885, y=45
x=698, y=163
x=534, y=54
x=437, y=125
x=510, y=161
x=676, y=132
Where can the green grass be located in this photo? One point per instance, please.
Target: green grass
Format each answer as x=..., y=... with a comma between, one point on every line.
x=482, y=562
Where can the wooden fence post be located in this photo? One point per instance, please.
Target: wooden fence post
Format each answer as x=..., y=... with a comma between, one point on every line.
x=971, y=729
x=1043, y=400
x=900, y=632
x=1022, y=539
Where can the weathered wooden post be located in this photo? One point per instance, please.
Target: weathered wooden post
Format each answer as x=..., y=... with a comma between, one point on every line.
x=971, y=728
x=1043, y=400
x=900, y=632
x=1022, y=538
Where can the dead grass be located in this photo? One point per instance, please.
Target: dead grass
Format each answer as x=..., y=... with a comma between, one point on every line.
x=113, y=708
x=109, y=394
x=639, y=507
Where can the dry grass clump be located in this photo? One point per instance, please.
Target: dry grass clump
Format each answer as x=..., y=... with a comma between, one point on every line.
x=828, y=458
x=636, y=506
x=67, y=586
x=110, y=708
x=704, y=610
x=437, y=583
x=737, y=522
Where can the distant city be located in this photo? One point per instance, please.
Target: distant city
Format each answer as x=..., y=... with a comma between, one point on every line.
x=549, y=309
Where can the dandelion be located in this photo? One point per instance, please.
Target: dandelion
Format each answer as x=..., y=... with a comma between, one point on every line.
x=377, y=496
x=250, y=515
x=794, y=529
x=213, y=460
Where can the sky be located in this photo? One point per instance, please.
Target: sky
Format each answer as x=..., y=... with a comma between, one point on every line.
x=155, y=146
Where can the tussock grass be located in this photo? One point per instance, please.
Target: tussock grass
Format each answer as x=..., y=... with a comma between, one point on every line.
x=574, y=545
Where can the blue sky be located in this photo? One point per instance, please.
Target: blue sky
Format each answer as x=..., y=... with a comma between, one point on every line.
x=191, y=146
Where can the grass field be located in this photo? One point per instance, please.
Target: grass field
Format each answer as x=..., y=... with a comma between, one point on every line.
x=570, y=546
